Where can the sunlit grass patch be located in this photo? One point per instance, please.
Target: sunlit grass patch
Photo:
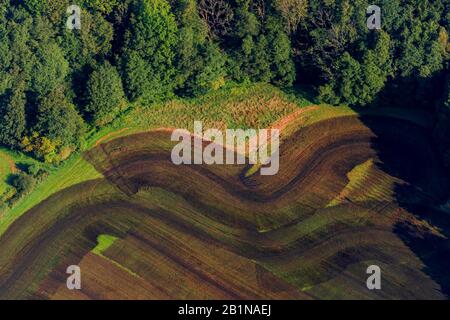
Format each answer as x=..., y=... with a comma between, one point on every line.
x=74, y=171
x=104, y=241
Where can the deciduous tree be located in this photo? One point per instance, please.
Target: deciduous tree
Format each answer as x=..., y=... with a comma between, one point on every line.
x=149, y=51
x=105, y=94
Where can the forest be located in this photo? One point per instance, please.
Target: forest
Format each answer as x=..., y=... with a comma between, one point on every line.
x=56, y=84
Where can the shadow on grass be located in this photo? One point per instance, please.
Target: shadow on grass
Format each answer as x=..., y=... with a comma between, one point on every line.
x=408, y=152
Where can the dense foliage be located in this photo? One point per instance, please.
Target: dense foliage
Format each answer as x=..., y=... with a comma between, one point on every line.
x=56, y=82
x=105, y=95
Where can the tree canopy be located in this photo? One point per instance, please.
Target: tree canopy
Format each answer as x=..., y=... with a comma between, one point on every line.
x=56, y=82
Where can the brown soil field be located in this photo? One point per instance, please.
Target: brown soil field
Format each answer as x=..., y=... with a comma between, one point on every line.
x=213, y=232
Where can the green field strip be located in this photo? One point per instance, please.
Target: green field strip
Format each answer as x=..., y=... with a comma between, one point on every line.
x=366, y=183
x=72, y=172
x=4, y=172
x=104, y=241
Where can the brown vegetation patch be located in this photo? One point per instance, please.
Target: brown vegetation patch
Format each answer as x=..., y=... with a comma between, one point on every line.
x=204, y=232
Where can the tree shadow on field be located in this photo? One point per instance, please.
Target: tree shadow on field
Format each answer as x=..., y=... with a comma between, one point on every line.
x=407, y=151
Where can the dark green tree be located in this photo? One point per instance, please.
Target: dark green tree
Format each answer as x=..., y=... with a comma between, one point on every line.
x=58, y=120
x=209, y=73
x=103, y=6
x=246, y=46
x=330, y=29
x=49, y=69
x=200, y=63
x=23, y=183
x=280, y=51
x=358, y=83
x=16, y=55
x=34, y=6
x=149, y=51
x=12, y=116
x=105, y=95
x=263, y=49
x=88, y=45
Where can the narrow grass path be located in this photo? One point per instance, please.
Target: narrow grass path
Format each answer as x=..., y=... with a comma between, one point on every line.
x=7, y=167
